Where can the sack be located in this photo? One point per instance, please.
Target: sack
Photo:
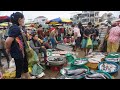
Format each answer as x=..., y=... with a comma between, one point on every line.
x=89, y=43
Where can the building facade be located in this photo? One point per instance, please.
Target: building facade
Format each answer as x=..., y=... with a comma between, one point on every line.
x=87, y=16
x=40, y=20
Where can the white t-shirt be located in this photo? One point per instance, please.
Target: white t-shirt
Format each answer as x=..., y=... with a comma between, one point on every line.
x=76, y=30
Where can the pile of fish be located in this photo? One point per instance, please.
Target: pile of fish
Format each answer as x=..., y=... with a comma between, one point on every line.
x=114, y=55
x=80, y=62
x=75, y=74
x=113, y=59
x=64, y=77
x=108, y=67
x=62, y=52
x=94, y=60
x=56, y=59
x=96, y=76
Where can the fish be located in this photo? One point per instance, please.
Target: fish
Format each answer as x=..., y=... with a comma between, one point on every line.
x=96, y=76
x=64, y=77
x=78, y=62
x=108, y=67
x=75, y=72
x=77, y=76
x=113, y=59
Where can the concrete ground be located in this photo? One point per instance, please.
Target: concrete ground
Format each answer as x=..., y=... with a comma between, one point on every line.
x=49, y=74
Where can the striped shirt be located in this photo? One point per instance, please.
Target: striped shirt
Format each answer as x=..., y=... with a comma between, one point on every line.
x=114, y=35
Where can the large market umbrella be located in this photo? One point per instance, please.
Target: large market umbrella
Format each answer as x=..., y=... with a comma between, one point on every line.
x=59, y=20
x=4, y=19
x=3, y=24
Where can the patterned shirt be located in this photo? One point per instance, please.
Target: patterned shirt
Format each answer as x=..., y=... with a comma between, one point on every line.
x=114, y=35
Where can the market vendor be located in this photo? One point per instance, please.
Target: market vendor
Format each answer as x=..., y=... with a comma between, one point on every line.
x=37, y=47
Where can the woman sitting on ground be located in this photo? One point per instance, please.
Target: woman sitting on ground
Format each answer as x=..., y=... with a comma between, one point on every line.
x=37, y=47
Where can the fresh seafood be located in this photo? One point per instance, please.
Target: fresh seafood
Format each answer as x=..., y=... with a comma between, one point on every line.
x=62, y=52
x=55, y=54
x=75, y=72
x=79, y=62
x=76, y=76
x=96, y=76
x=114, y=55
x=64, y=77
x=94, y=60
x=108, y=67
x=113, y=59
x=56, y=59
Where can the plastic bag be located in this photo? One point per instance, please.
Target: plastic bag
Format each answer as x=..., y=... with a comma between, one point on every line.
x=33, y=60
x=12, y=63
x=74, y=43
x=37, y=69
x=89, y=43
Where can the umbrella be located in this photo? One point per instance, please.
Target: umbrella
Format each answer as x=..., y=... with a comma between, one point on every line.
x=4, y=24
x=4, y=19
x=59, y=20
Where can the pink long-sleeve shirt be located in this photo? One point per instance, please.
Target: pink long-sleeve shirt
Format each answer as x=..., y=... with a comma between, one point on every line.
x=114, y=35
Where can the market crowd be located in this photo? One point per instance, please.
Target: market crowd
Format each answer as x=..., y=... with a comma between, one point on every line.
x=103, y=38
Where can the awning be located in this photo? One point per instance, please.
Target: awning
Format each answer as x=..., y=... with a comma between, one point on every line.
x=59, y=20
x=4, y=19
x=4, y=24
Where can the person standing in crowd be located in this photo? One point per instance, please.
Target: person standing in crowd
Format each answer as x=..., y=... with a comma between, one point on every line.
x=62, y=32
x=3, y=50
x=40, y=32
x=96, y=38
x=77, y=36
x=88, y=32
x=81, y=30
x=37, y=47
x=53, y=40
x=69, y=32
x=113, y=39
x=15, y=45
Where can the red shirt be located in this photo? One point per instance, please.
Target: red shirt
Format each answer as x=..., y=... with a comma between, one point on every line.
x=40, y=34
